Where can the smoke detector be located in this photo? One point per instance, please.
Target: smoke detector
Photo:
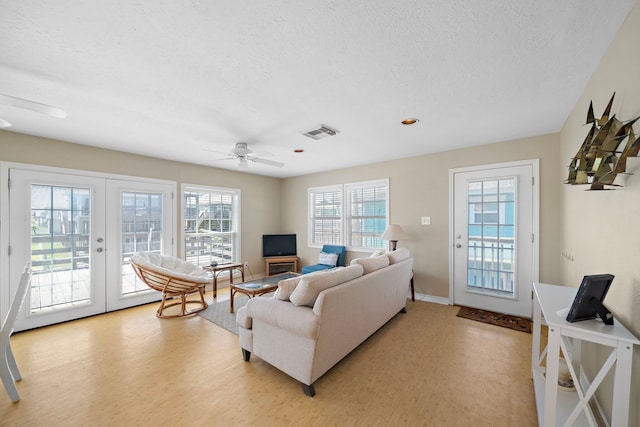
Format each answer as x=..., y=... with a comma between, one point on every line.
x=321, y=132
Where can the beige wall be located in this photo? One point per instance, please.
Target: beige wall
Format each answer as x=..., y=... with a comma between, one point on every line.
x=600, y=229
x=419, y=187
x=260, y=195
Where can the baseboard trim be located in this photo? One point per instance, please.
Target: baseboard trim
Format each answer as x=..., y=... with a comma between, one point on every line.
x=431, y=298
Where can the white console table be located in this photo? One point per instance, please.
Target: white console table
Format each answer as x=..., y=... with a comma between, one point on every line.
x=572, y=408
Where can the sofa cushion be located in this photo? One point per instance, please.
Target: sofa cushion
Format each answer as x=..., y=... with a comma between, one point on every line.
x=372, y=264
x=171, y=266
x=376, y=253
x=328, y=259
x=286, y=287
x=311, y=285
x=308, y=269
x=398, y=255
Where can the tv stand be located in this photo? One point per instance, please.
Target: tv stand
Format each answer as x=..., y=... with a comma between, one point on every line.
x=280, y=264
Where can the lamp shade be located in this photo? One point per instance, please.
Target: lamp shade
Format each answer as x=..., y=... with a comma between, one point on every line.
x=393, y=233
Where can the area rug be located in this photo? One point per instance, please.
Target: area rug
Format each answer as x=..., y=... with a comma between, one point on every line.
x=504, y=320
x=218, y=313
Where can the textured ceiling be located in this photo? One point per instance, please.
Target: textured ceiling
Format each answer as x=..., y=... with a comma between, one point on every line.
x=184, y=80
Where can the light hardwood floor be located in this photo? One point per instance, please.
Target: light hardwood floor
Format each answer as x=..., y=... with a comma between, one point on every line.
x=128, y=368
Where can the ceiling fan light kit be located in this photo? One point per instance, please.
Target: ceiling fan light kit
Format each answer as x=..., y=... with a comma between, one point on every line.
x=244, y=155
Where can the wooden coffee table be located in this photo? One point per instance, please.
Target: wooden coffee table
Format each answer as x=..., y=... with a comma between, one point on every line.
x=258, y=287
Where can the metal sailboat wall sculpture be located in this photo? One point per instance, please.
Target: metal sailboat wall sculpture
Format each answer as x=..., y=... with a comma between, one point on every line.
x=598, y=161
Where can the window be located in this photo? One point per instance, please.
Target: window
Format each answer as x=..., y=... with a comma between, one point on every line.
x=354, y=215
x=211, y=225
x=325, y=207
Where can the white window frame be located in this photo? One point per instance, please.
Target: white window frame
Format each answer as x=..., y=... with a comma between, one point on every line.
x=312, y=218
x=349, y=215
x=345, y=235
x=235, y=233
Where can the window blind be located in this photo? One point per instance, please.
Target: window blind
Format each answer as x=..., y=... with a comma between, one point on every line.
x=366, y=213
x=325, y=216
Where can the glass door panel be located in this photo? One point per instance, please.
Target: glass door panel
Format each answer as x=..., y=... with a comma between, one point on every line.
x=491, y=236
x=60, y=235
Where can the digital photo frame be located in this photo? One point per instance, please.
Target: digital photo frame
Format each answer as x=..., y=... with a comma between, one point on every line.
x=588, y=303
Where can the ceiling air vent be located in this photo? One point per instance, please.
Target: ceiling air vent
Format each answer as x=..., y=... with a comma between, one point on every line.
x=322, y=132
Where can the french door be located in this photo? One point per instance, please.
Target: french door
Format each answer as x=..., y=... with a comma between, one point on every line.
x=493, y=242
x=79, y=231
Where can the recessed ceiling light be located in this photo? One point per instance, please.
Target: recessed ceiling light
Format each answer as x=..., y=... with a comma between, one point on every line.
x=411, y=121
x=298, y=150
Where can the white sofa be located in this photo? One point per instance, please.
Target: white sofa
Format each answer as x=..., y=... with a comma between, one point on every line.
x=315, y=320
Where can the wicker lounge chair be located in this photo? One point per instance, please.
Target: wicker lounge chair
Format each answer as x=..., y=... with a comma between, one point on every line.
x=174, y=278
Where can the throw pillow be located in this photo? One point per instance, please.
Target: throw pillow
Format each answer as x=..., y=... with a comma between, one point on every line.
x=376, y=253
x=286, y=287
x=310, y=285
x=328, y=259
x=372, y=264
x=398, y=255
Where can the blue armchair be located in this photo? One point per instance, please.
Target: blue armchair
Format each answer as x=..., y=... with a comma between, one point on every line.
x=330, y=249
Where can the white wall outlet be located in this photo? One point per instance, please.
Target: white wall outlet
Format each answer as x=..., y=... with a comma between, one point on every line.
x=246, y=264
x=426, y=220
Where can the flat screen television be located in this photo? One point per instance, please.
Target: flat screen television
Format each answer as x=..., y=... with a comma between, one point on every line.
x=589, y=300
x=278, y=245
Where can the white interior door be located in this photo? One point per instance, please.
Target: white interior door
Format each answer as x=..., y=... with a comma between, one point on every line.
x=494, y=229
x=79, y=233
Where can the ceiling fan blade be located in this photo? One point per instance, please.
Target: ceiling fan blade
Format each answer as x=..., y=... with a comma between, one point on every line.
x=38, y=107
x=221, y=152
x=210, y=161
x=266, y=162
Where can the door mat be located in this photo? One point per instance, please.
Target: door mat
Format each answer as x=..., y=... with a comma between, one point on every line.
x=504, y=320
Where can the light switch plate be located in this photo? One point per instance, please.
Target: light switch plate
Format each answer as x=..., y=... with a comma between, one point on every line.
x=426, y=220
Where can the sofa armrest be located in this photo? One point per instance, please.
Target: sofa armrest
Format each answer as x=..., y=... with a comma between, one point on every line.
x=242, y=319
x=299, y=320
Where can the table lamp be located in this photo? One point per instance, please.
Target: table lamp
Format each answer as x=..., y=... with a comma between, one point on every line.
x=393, y=233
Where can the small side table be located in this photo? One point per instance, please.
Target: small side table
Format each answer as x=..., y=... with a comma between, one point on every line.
x=219, y=269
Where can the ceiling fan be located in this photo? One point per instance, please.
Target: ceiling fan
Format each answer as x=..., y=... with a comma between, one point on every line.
x=244, y=155
x=26, y=104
